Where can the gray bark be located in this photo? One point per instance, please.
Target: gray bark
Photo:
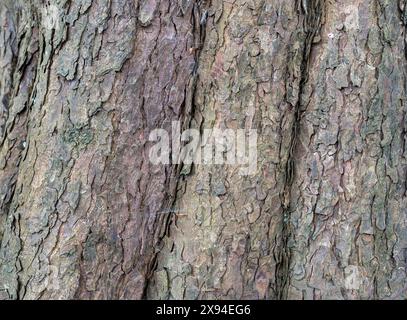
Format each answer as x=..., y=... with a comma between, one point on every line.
x=85, y=215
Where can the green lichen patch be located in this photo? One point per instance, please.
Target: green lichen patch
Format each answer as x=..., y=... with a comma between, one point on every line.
x=78, y=137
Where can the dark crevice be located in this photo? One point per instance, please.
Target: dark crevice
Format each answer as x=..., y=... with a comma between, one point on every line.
x=311, y=14
x=186, y=117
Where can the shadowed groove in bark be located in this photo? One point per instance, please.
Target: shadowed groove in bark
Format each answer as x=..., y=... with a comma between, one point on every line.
x=312, y=13
x=403, y=19
x=198, y=30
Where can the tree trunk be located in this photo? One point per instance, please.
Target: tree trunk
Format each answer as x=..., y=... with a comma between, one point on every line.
x=85, y=214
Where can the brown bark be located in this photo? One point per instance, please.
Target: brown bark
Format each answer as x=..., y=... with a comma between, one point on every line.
x=84, y=213
x=84, y=198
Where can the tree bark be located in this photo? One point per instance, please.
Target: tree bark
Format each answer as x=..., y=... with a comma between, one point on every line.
x=84, y=214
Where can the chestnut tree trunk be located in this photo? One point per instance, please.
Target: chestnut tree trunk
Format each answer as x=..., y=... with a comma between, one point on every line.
x=84, y=214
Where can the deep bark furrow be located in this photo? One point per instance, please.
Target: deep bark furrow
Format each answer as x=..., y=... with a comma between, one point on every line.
x=85, y=214
x=311, y=15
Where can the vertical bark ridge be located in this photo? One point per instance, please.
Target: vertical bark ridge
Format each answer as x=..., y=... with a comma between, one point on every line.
x=227, y=238
x=311, y=15
x=348, y=191
x=20, y=60
x=84, y=213
x=107, y=74
x=168, y=215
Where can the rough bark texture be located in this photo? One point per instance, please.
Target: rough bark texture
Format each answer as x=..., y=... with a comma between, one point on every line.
x=83, y=212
